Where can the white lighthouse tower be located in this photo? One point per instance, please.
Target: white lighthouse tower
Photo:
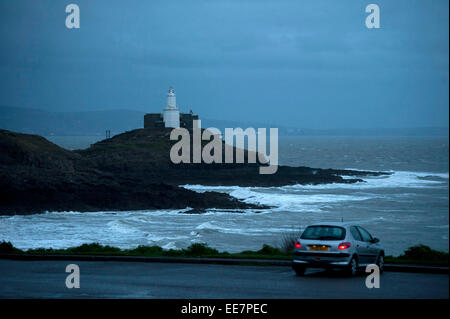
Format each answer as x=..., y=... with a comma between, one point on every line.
x=171, y=114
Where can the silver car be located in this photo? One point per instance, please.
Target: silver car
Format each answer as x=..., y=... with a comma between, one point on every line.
x=336, y=245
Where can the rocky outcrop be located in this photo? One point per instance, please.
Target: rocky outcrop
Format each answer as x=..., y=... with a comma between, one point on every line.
x=130, y=171
x=143, y=155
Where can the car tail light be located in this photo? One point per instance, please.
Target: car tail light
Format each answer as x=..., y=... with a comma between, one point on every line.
x=297, y=244
x=344, y=245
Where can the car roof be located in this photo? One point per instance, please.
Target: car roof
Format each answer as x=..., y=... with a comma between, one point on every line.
x=342, y=224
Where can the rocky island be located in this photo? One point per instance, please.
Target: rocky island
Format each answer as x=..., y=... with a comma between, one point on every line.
x=130, y=171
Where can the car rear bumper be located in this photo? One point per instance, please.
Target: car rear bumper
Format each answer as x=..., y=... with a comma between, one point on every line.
x=321, y=260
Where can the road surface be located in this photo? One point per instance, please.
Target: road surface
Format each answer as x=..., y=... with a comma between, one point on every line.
x=46, y=279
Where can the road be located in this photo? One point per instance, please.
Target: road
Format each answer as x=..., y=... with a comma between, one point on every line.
x=46, y=279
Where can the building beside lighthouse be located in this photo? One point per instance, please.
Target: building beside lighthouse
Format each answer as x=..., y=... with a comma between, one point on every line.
x=171, y=116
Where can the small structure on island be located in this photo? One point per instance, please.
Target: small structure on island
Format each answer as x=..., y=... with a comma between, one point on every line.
x=171, y=116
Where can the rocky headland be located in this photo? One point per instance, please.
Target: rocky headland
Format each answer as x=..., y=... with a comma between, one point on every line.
x=130, y=171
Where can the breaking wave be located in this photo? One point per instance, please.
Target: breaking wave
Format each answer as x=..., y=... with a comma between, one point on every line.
x=403, y=179
x=232, y=228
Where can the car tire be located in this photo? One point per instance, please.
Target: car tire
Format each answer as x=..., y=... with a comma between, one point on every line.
x=380, y=263
x=299, y=270
x=352, y=268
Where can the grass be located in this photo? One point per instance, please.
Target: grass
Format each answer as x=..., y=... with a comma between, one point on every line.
x=420, y=254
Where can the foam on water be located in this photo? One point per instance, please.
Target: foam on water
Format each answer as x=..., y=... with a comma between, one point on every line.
x=157, y=238
x=404, y=179
x=235, y=228
x=120, y=226
x=396, y=179
x=291, y=201
x=279, y=198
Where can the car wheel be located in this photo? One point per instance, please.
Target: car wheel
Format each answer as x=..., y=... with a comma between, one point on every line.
x=352, y=267
x=300, y=270
x=380, y=263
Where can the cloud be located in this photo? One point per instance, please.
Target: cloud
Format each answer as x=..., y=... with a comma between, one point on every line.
x=246, y=51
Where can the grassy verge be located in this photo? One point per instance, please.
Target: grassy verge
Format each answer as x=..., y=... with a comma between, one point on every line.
x=420, y=254
x=194, y=250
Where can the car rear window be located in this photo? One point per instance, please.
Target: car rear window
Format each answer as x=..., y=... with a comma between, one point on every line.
x=324, y=233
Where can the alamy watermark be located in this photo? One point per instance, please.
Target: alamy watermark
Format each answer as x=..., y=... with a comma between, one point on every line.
x=73, y=279
x=212, y=152
x=373, y=279
x=73, y=17
x=373, y=19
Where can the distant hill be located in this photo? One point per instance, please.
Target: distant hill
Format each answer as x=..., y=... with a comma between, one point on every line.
x=36, y=121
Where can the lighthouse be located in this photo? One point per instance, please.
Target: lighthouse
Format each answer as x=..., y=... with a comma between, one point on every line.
x=171, y=114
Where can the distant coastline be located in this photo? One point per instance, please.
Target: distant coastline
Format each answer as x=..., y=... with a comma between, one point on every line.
x=94, y=123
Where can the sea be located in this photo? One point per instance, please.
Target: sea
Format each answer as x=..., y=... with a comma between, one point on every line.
x=406, y=208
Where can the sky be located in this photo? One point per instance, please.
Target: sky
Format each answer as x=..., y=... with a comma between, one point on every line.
x=309, y=64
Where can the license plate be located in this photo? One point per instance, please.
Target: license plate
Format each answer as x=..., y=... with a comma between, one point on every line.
x=318, y=248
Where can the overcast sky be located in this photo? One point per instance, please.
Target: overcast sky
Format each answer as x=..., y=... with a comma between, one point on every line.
x=311, y=64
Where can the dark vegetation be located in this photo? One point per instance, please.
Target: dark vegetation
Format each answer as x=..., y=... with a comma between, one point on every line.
x=289, y=239
x=423, y=253
x=194, y=250
x=420, y=254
